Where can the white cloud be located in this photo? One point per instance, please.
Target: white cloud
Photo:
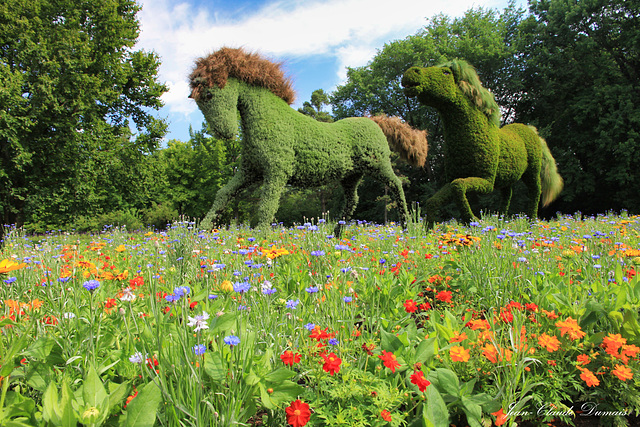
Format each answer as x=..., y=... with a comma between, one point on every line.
x=346, y=32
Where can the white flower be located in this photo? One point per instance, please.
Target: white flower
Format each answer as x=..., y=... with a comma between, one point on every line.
x=137, y=357
x=68, y=315
x=128, y=295
x=200, y=321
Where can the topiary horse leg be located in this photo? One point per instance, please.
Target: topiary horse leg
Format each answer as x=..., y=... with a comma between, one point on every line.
x=434, y=203
x=350, y=185
x=270, y=199
x=506, y=193
x=394, y=183
x=534, y=187
x=461, y=186
x=239, y=181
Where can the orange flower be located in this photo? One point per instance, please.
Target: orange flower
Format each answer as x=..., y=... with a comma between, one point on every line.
x=386, y=415
x=410, y=306
x=298, y=413
x=478, y=324
x=571, y=328
x=490, y=352
x=389, y=360
x=549, y=341
x=550, y=314
x=418, y=379
x=331, y=363
x=458, y=337
x=612, y=343
x=501, y=417
x=459, y=354
x=622, y=372
x=289, y=358
x=588, y=377
x=583, y=359
x=444, y=296
x=7, y=265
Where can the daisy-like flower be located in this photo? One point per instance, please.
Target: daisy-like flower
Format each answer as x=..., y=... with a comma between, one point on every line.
x=232, y=340
x=199, y=321
x=137, y=357
x=127, y=295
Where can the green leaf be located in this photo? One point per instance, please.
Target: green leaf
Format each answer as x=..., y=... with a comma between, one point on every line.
x=390, y=342
x=426, y=350
x=285, y=392
x=473, y=412
x=223, y=323
x=93, y=391
x=141, y=411
x=118, y=395
x=448, y=381
x=280, y=374
x=434, y=410
x=215, y=367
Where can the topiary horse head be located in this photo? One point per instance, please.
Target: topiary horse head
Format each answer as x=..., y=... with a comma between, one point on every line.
x=282, y=146
x=479, y=155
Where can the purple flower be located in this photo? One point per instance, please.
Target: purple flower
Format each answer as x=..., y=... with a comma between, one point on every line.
x=309, y=326
x=91, y=285
x=292, y=304
x=199, y=349
x=241, y=287
x=232, y=340
x=347, y=299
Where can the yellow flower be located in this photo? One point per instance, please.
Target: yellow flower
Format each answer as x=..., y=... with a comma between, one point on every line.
x=121, y=248
x=225, y=286
x=7, y=265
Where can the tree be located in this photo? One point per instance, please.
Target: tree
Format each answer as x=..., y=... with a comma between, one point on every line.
x=483, y=37
x=314, y=107
x=74, y=108
x=581, y=76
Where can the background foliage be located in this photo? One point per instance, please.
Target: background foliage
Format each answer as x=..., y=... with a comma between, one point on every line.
x=80, y=147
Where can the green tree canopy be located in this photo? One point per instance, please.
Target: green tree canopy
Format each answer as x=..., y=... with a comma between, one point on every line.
x=75, y=100
x=581, y=76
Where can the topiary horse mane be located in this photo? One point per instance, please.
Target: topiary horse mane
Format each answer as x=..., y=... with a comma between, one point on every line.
x=479, y=155
x=251, y=68
x=281, y=146
x=469, y=83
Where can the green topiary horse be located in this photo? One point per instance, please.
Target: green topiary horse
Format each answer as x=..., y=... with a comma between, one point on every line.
x=479, y=155
x=282, y=146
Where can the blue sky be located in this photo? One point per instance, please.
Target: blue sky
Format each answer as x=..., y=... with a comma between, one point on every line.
x=316, y=39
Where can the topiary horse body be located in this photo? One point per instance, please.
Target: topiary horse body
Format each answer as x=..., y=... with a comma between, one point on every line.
x=479, y=155
x=282, y=146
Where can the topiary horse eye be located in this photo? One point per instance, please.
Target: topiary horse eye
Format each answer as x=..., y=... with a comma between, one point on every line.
x=208, y=96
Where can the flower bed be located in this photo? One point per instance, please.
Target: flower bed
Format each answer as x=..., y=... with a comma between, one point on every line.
x=500, y=322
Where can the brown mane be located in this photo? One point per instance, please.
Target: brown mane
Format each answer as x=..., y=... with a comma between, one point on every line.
x=251, y=68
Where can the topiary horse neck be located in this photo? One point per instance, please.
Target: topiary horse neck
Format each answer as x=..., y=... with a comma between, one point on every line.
x=479, y=155
x=282, y=146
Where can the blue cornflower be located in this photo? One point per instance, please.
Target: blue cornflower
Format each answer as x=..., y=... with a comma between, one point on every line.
x=91, y=285
x=522, y=259
x=333, y=341
x=181, y=291
x=10, y=280
x=382, y=260
x=232, y=340
x=64, y=279
x=312, y=289
x=199, y=349
x=310, y=326
x=292, y=304
x=347, y=299
x=317, y=253
x=342, y=248
x=212, y=296
x=241, y=287
x=172, y=298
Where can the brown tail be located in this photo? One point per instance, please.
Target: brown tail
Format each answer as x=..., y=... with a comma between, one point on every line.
x=410, y=143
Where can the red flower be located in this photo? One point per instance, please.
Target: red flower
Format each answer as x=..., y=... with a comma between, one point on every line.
x=501, y=417
x=506, y=316
x=50, y=320
x=130, y=398
x=418, y=379
x=298, y=413
x=320, y=334
x=288, y=358
x=444, y=296
x=386, y=415
x=331, y=363
x=425, y=306
x=410, y=306
x=389, y=360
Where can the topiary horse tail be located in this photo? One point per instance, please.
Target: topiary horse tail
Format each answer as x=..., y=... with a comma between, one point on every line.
x=552, y=182
x=411, y=144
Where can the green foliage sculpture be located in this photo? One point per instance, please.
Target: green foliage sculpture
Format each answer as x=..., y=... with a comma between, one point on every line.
x=479, y=155
x=282, y=146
